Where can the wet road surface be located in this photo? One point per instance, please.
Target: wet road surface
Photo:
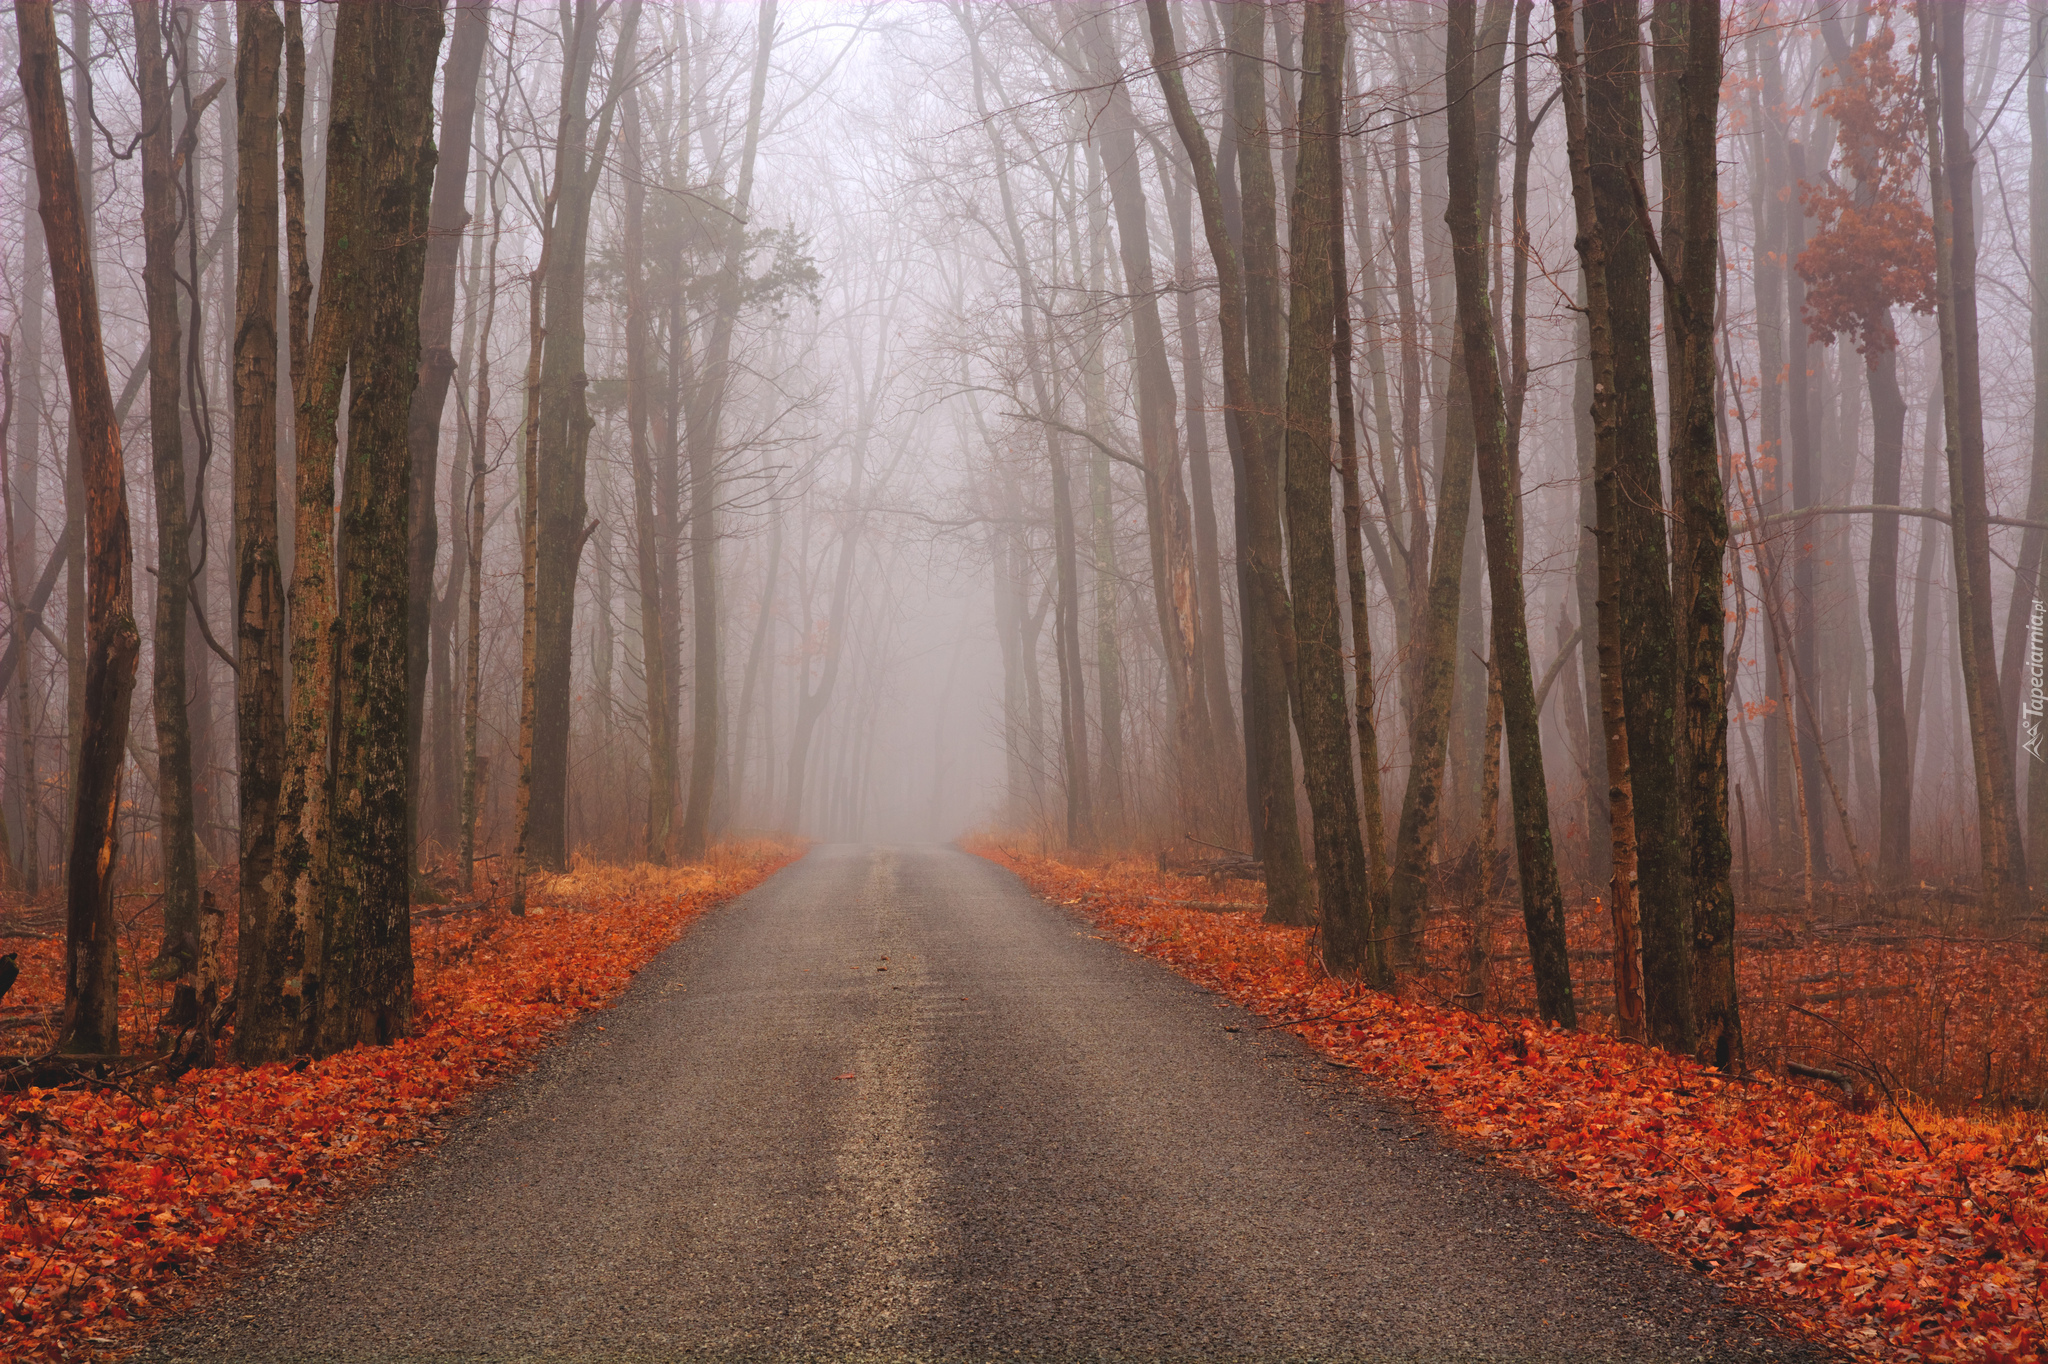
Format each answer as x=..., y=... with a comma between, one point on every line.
x=891, y=1107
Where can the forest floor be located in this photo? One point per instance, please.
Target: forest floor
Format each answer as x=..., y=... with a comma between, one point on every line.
x=1907, y=1220
x=116, y=1199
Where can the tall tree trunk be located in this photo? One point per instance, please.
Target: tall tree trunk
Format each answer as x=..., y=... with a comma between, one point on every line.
x=1362, y=698
x=654, y=653
x=758, y=662
x=207, y=345
x=668, y=499
x=271, y=1026
x=1353, y=947
x=1952, y=170
x=1391, y=557
x=179, y=952
x=26, y=409
x=442, y=780
x=1586, y=589
x=1771, y=210
x=1255, y=411
x=76, y=513
x=812, y=700
x=1614, y=126
x=1688, y=45
x=1080, y=818
x=1800, y=459
x=705, y=416
x=2037, y=501
x=1109, y=684
x=1592, y=250
x=91, y=1022
x=1231, y=221
x=1411, y=423
x=384, y=76
x=565, y=421
x=1111, y=796
x=271, y=990
x=529, y=552
x=1474, y=109
x=445, y=223
x=1194, y=385
x=259, y=582
x=1888, y=683
x=557, y=425
x=17, y=620
x=474, y=578
x=1436, y=645
x=1167, y=516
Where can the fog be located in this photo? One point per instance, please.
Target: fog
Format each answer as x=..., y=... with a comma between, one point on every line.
x=934, y=507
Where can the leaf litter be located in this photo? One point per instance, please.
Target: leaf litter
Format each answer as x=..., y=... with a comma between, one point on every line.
x=117, y=1201
x=1893, y=1233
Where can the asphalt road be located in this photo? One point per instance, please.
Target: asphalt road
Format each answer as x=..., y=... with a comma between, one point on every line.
x=891, y=1107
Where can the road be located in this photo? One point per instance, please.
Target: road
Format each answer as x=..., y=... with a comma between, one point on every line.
x=891, y=1107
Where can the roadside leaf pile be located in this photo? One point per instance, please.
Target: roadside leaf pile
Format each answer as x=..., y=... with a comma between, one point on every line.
x=1846, y=1225
x=116, y=1199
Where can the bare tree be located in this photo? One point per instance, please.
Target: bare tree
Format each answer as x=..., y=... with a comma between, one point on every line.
x=91, y=1022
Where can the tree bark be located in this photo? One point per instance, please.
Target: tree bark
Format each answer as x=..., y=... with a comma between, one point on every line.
x=441, y=782
x=2037, y=250
x=270, y=1026
x=1592, y=249
x=565, y=422
x=1474, y=117
x=705, y=417
x=1952, y=170
x=1255, y=410
x=91, y=1021
x=1436, y=647
x=384, y=58
x=446, y=221
x=273, y=1008
x=1799, y=460
x=1110, y=795
x=1352, y=945
x=1363, y=698
x=26, y=407
x=76, y=513
x=1167, y=516
x=1888, y=683
x=1391, y=557
x=1614, y=126
x=1688, y=45
x=17, y=621
x=529, y=550
x=1771, y=210
x=474, y=578
x=654, y=653
x=1194, y=385
x=179, y=952
x=259, y=582
x=1417, y=565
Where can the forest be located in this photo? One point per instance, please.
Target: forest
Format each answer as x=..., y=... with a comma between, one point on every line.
x=1516, y=531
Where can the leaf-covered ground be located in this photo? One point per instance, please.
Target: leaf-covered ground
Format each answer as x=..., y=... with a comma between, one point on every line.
x=1846, y=1225
x=118, y=1201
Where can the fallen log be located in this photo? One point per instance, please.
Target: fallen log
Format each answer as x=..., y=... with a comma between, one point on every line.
x=1833, y=1077
x=1233, y=868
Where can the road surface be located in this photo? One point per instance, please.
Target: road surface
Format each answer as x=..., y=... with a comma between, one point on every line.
x=891, y=1107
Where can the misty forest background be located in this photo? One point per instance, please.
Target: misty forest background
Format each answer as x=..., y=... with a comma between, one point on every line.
x=1563, y=456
